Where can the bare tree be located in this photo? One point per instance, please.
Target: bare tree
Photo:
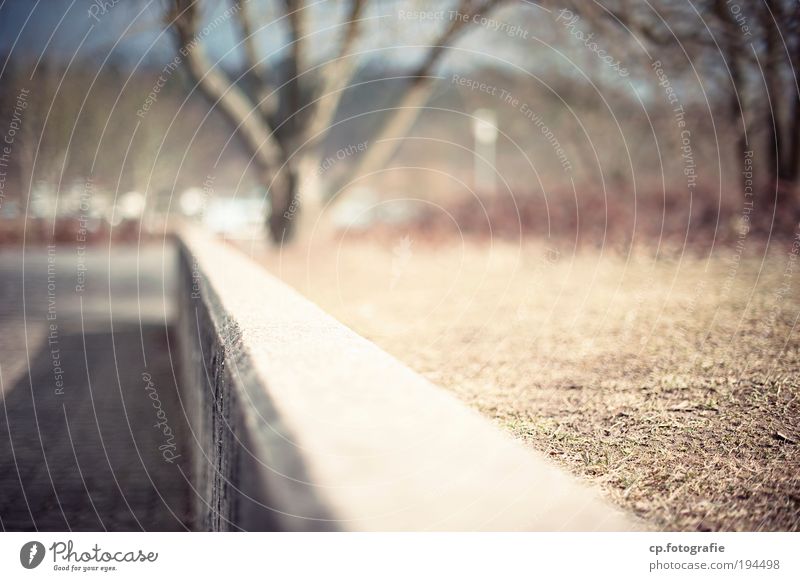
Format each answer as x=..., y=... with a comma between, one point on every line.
x=284, y=121
x=756, y=47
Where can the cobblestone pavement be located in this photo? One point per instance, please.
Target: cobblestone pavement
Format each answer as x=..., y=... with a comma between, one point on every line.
x=92, y=432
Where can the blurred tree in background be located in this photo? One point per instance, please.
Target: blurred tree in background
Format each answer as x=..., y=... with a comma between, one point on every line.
x=285, y=115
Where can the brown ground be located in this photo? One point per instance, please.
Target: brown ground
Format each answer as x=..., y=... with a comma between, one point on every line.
x=673, y=385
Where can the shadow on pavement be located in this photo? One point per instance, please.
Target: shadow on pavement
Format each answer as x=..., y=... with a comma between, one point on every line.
x=95, y=453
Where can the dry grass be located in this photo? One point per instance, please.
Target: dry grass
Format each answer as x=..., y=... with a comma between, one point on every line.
x=672, y=384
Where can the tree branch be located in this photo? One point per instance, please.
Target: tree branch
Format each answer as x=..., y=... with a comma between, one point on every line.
x=398, y=123
x=295, y=63
x=258, y=68
x=336, y=75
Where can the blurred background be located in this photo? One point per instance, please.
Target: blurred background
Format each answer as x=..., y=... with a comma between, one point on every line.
x=582, y=218
x=514, y=117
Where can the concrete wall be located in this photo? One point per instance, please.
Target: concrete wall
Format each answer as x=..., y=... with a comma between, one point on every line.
x=305, y=425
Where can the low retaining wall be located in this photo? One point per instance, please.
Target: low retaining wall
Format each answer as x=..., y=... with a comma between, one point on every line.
x=305, y=425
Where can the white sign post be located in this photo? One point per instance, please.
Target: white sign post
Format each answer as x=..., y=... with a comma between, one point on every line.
x=484, y=128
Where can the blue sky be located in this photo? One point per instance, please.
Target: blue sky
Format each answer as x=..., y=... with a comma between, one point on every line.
x=61, y=27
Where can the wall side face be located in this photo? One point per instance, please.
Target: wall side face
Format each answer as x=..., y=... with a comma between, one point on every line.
x=210, y=399
x=231, y=469
x=301, y=424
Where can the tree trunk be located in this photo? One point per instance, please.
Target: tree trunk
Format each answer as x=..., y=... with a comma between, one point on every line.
x=732, y=53
x=773, y=114
x=794, y=132
x=791, y=169
x=284, y=204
